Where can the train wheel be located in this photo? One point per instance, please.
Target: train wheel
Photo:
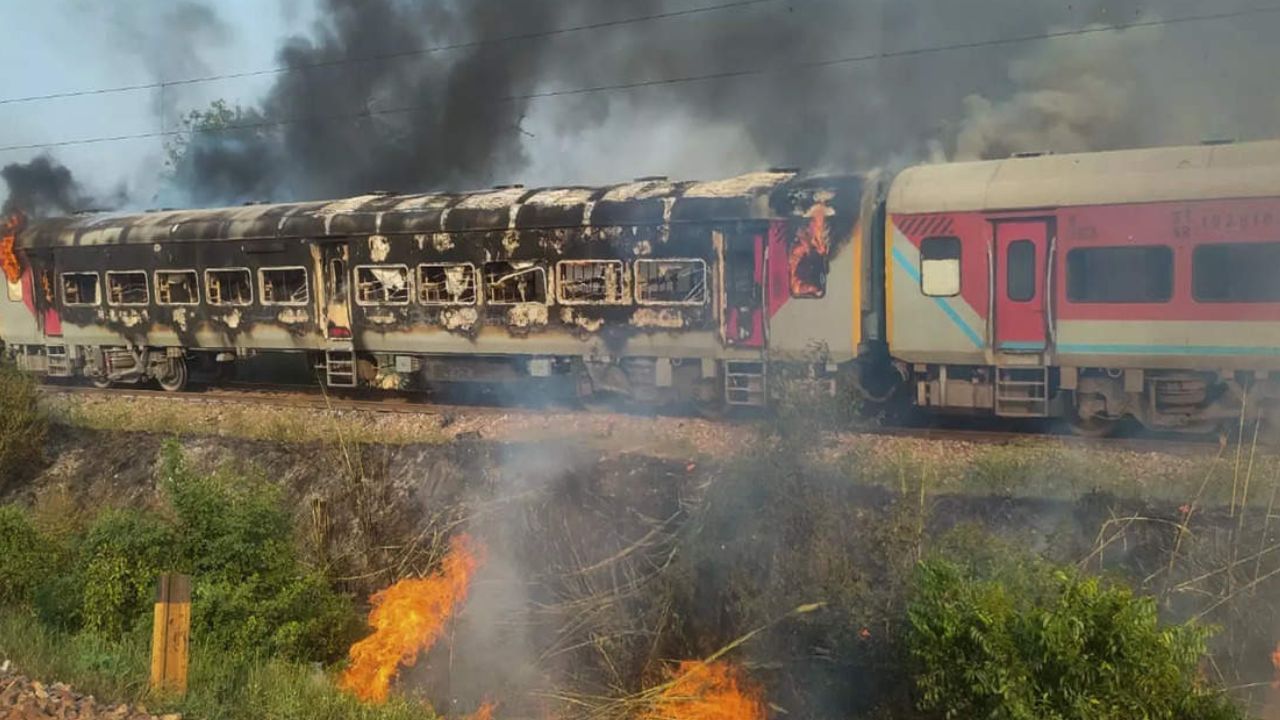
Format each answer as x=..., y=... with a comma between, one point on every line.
x=1093, y=427
x=99, y=381
x=175, y=380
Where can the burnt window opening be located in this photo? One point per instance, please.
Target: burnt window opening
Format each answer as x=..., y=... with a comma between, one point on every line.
x=80, y=288
x=940, y=266
x=742, y=278
x=284, y=286
x=514, y=283
x=232, y=286
x=592, y=282
x=383, y=285
x=47, y=284
x=671, y=282
x=177, y=287
x=337, y=280
x=1120, y=275
x=447, y=284
x=15, y=290
x=127, y=288
x=1020, y=271
x=1236, y=273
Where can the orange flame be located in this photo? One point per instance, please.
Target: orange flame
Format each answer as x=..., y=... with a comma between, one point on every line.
x=407, y=618
x=812, y=245
x=708, y=691
x=484, y=713
x=8, y=240
x=1275, y=663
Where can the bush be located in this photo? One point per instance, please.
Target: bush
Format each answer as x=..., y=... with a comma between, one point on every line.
x=122, y=556
x=22, y=425
x=1034, y=641
x=252, y=594
x=21, y=549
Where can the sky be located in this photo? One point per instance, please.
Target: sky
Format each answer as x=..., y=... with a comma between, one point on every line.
x=1178, y=84
x=55, y=46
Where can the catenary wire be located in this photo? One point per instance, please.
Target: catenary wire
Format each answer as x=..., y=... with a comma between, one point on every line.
x=682, y=80
x=399, y=55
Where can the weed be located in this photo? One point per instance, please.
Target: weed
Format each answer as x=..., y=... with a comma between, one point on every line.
x=23, y=426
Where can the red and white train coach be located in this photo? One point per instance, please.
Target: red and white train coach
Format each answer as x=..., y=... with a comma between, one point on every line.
x=1095, y=287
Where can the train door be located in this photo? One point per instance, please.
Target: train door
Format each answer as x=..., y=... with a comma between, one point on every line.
x=1022, y=285
x=40, y=285
x=742, y=259
x=335, y=306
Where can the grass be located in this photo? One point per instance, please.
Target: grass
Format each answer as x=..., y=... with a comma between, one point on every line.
x=222, y=687
x=285, y=425
x=1050, y=471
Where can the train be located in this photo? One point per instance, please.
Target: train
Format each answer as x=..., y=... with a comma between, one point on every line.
x=1093, y=288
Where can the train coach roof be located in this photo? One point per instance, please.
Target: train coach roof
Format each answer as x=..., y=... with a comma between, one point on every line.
x=756, y=196
x=1206, y=172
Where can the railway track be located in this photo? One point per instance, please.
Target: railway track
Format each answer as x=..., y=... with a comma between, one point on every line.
x=311, y=397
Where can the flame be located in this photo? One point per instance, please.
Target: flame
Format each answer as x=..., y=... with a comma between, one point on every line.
x=8, y=240
x=1275, y=663
x=484, y=713
x=708, y=691
x=407, y=618
x=813, y=244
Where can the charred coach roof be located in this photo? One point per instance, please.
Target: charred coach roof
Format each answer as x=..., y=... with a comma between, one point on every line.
x=1204, y=172
x=757, y=196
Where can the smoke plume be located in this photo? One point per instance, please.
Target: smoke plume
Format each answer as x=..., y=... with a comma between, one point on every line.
x=41, y=187
x=463, y=117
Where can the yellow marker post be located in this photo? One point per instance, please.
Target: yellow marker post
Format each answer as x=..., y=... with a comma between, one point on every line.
x=171, y=636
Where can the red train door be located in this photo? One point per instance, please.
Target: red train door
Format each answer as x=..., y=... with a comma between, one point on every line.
x=1021, y=287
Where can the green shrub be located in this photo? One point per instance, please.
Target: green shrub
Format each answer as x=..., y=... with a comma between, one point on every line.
x=22, y=424
x=252, y=594
x=1034, y=641
x=121, y=558
x=21, y=550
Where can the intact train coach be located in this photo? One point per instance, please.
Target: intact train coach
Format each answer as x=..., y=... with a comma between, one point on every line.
x=1096, y=287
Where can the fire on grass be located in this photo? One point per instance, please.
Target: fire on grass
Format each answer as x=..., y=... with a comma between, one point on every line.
x=407, y=619
x=699, y=690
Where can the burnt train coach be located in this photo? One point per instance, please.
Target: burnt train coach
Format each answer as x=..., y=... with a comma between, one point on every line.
x=653, y=290
x=1092, y=287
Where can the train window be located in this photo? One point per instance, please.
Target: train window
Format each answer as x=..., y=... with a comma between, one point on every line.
x=177, y=287
x=671, y=282
x=592, y=282
x=1236, y=273
x=15, y=290
x=284, y=286
x=1020, y=270
x=383, y=285
x=508, y=283
x=940, y=266
x=229, y=286
x=80, y=288
x=127, y=288
x=1120, y=274
x=447, y=284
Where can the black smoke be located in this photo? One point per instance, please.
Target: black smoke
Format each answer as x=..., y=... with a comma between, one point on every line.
x=462, y=118
x=42, y=187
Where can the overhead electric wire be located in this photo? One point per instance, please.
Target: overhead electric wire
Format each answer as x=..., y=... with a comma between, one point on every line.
x=397, y=55
x=728, y=75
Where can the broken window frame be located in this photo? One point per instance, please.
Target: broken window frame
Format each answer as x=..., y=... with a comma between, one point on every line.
x=530, y=268
x=640, y=284
x=622, y=294
x=266, y=296
x=386, y=301
x=146, y=287
x=97, y=289
x=209, y=294
x=195, y=288
x=423, y=284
